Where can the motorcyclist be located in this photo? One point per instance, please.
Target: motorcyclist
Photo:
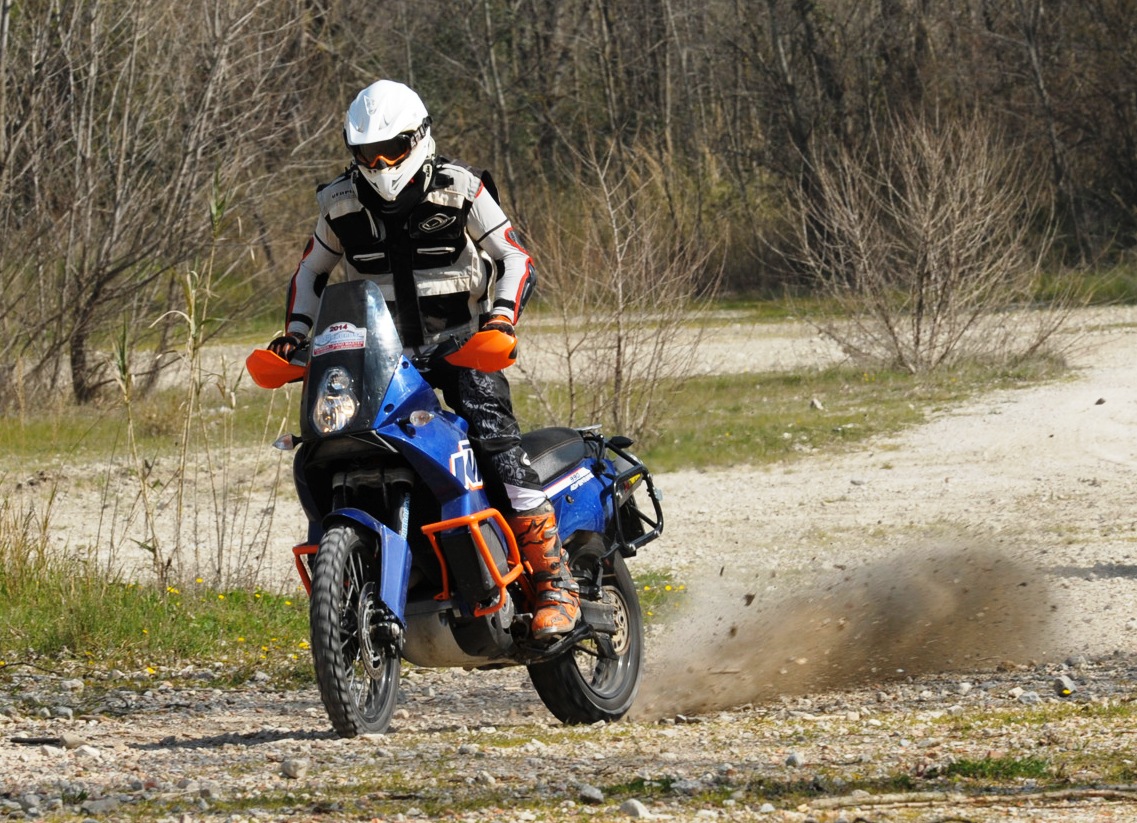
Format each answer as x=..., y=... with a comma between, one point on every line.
x=431, y=234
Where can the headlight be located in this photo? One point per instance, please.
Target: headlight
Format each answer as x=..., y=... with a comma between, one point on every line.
x=336, y=404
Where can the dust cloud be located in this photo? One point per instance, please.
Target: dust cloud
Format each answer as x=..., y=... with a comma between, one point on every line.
x=928, y=610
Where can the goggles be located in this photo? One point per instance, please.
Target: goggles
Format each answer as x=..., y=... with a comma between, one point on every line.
x=389, y=152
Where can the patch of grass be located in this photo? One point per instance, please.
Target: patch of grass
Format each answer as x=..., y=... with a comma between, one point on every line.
x=792, y=792
x=99, y=431
x=1116, y=285
x=999, y=768
x=755, y=419
x=660, y=594
x=1112, y=710
x=63, y=608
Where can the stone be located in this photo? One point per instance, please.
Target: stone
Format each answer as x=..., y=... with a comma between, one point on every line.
x=100, y=806
x=634, y=808
x=70, y=740
x=1064, y=686
x=1030, y=698
x=295, y=768
x=590, y=794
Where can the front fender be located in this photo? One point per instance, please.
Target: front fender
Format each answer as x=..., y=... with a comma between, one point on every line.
x=394, y=557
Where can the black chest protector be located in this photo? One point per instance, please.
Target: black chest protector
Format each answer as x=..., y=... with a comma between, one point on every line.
x=381, y=238
x=424, y=230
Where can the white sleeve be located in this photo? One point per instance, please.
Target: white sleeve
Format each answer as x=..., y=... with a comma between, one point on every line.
x=493, y=232
x=320, y=257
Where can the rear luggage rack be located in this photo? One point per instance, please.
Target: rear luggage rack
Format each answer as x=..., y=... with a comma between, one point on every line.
x=632, y=526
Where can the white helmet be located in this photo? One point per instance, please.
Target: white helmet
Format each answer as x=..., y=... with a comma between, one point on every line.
x=387, y=129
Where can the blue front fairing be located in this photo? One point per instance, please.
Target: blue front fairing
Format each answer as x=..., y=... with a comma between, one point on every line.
x=439, y=451
x=354, y=337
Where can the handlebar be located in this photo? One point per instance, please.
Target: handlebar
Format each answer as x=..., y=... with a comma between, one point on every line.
x=424, y=360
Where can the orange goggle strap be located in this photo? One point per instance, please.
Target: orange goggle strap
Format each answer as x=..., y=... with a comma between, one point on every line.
x=271, y=371
x=486, y=351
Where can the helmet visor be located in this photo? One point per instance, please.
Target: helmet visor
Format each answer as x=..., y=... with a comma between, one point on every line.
x=385, y=152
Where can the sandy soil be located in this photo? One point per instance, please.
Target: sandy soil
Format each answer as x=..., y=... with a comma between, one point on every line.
x=1004, y=528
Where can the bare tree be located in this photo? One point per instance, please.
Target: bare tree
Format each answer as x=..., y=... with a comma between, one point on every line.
x=112, y=141
x=624, y=288
x=925, y=242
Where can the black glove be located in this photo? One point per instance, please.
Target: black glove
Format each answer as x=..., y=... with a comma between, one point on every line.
x=286, y=345
x=499, y=323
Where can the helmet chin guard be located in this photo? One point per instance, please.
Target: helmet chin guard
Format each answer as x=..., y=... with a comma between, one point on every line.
x=390, y=182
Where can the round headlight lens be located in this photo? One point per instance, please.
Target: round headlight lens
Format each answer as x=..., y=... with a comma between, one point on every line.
x=336, y=403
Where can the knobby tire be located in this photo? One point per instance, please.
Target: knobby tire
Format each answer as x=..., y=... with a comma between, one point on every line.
x=357, y=701
x=579, y=687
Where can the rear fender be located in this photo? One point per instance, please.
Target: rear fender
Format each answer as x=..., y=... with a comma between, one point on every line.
x=394, y=557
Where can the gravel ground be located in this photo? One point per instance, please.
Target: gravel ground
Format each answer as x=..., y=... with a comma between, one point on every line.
x=855, y=629
x=478, y=746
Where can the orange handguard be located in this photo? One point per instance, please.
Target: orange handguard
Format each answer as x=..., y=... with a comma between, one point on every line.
x=270, y=370
x=487, y=351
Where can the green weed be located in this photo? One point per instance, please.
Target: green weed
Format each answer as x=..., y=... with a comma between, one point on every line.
x=64, y=608
x=660, y=594
x=999, y=768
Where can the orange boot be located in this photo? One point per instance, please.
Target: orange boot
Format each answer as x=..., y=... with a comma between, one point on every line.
x=558, y=603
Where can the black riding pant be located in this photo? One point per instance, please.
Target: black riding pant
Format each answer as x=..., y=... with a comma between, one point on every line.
x=483, y=400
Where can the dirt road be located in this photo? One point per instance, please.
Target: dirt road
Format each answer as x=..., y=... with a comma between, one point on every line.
x=863, y=633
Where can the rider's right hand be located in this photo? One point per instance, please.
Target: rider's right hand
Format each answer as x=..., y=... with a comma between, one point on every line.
x=286, y=345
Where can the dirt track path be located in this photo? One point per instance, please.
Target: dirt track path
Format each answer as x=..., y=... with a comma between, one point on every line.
x=999, y=533
x=1038, y=485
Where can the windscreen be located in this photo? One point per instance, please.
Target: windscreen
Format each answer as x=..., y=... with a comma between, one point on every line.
x=355, y=350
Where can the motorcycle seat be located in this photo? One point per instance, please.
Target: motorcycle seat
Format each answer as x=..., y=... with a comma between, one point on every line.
x=554, y=450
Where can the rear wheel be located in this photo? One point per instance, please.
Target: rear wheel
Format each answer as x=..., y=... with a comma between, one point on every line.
x=353, y=646
x=583, y=685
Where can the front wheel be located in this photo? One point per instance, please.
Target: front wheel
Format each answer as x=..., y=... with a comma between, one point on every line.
x=353, y=642
x=584, y=686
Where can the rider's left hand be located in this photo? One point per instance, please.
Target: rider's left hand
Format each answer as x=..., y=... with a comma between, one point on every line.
x=286, y=345
x=500, y=323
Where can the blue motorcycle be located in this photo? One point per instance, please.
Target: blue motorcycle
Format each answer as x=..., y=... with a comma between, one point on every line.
x=406, y=557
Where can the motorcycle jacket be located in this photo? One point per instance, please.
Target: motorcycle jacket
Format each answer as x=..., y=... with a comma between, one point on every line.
x=445, y=261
